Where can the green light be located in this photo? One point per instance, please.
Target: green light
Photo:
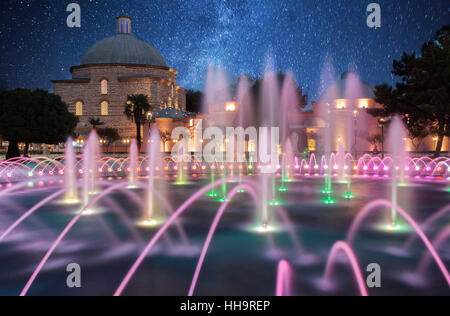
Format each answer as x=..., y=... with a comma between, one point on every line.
x=30, y=174
x=213, y=194
x=223, y=200
x=275, y=203
x=250, y=167
x=329, y=201
x=349, y=196
x=282, y=189
x=241, y=191
x=326, y=191
x=305, y=152
x=30, y=184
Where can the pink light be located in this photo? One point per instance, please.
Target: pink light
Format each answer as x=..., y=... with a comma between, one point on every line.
x=284, y=276
x=336, y=167
x=345, y=248
x=203, y=167
x=386, y=168
x=365, y=168
x=375, y=168
x=61, y=172
x=316, y=167
x=41, y=173
x=428, y=169
x=297, y=167
x=306, y=167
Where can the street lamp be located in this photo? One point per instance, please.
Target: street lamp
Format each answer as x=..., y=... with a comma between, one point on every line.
x=382, y=123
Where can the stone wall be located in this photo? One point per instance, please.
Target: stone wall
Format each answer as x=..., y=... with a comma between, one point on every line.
x=159, y=84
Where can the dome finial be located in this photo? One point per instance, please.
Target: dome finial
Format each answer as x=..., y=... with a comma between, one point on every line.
x=123, y=24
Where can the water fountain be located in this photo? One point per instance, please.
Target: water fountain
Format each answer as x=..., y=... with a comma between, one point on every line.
x=139, y=216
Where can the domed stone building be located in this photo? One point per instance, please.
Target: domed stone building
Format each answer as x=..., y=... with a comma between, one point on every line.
x=112, y=69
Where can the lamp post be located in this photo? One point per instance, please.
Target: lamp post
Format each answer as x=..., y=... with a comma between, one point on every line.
x=382, y=123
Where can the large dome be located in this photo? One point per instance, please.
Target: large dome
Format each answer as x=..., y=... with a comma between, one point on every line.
x=123, y=49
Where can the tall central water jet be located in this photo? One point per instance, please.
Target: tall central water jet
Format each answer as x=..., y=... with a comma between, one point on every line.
x=90, y=157
x=70, y=174
x=397, y=147
x=133, y=165
x=329, y=94
x=154, y=158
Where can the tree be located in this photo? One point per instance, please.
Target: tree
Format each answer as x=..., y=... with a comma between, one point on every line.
x=3, y=85
x=422, y=97
x=194, y=101
x=95, y=122
x=136, y=111
x=109, y=136
x=33, y=117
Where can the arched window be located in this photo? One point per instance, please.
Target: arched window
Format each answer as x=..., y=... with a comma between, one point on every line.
x=105, y=108
x=79, y=108
x=104, y=86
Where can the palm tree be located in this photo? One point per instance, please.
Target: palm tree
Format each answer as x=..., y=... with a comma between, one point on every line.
x=136, y=111
x=95, y=122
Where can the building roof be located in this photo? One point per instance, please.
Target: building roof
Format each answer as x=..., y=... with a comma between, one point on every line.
x=123, y=49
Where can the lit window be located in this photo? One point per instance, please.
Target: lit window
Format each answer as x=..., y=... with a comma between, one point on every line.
x=363, y=104
x=79, y=108
x=104, y=86
x=104, y=108
x=121, y=27
x=126, y=27
x=341, y=104
x=230, y=107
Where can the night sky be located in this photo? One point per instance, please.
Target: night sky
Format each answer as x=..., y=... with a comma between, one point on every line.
x=37, y=46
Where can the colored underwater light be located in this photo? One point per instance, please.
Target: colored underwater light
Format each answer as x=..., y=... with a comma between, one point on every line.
x=282, y=189
x=326, y=191
x=71, y=202
x=349, y=196
x=275, y=203
x=264, y=229
x=149, y=223
x=223, y=200
x=212, y=194
x=329, y=201
x=30, y=174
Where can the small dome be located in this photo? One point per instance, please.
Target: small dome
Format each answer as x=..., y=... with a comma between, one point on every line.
x=123, y=49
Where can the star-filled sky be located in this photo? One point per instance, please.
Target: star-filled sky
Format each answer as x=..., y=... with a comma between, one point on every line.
x=37, y=46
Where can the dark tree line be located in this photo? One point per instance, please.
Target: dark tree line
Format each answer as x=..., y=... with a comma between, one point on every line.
x=33, y=117
x=422, y=95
